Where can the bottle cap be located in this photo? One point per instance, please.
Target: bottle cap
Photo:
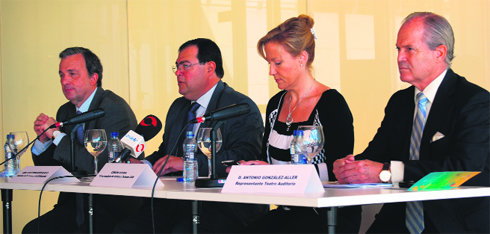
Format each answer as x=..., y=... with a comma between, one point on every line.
x=189, y=134
x=295, y=132
x=300, y=133
x=114, y=134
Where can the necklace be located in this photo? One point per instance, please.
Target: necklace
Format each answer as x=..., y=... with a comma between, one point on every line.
x=289, y=119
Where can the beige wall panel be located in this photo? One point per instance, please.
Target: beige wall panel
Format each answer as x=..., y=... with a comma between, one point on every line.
x=33, y=33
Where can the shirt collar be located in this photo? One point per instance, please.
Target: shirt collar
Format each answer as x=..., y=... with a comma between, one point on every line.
x=431, y=89
x=204, y=99
x=84, y=107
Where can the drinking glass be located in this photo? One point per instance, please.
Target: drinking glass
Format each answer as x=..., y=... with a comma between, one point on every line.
x=313, y=140
x=16, y=147
x=21, y=139
x=204, y=143
x=95, y=141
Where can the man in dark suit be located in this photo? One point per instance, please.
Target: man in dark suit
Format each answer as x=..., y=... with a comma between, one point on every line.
x=199, y=71
x=440, y=123
x=80, y=74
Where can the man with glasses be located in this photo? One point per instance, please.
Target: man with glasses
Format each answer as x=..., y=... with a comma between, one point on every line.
x=199, y=71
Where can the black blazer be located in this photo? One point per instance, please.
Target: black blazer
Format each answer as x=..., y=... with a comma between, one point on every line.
x=460, y=112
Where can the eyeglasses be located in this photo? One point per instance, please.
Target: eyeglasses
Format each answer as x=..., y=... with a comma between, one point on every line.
x=183, y=67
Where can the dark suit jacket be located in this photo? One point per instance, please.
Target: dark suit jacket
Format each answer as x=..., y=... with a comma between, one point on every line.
x=118, y=118
x=242, y=136
x=460, y=111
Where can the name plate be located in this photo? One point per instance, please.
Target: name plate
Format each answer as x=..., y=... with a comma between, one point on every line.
x=41, y=174
x=123, y=175
x=278, y=179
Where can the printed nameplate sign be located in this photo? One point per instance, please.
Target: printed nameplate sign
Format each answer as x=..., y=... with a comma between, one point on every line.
x=282, y=179
x=40, y=174
x=123, y=175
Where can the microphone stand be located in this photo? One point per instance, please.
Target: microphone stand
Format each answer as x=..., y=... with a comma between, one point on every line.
x=213, y=181
x=72, y=152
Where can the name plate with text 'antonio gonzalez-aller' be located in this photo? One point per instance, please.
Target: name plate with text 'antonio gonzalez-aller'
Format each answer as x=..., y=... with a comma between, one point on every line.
x=278, y=179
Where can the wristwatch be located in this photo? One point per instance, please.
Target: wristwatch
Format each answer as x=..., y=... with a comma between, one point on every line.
x=55, y=134
x=385, y=174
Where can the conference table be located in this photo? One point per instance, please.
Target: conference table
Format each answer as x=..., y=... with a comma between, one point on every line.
x=332, y=197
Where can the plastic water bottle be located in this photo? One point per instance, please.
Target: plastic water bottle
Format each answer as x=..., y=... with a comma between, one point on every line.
x=12, y=165
x=190, y=162
x=295, y=148
x=115, y=147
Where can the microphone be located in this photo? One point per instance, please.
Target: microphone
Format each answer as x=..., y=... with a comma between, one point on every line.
x=84, y=117
x=134, y=141
x=224, y=113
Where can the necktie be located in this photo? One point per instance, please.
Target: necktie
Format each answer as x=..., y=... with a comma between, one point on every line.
x=80, y=131
x=192, y=115
x=79, y=201
x=415, y=210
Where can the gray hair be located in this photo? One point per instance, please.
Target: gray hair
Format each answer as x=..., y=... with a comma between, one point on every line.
x=437, y=31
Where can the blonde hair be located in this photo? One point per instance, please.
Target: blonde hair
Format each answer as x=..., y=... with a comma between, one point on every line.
x=294, y=34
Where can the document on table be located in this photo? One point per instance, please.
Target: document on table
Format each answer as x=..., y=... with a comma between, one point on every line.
x=334, y=184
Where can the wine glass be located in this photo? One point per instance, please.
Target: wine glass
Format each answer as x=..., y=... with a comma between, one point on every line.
x=204, y=143
x=14, y=148
x=21, y=139
x=313, y=140
x=95, y=141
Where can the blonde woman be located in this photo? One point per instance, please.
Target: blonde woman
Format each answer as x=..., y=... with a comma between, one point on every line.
x=290, y=50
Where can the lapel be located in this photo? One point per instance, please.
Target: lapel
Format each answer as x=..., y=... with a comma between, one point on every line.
x=72, y=111
x=407, y=121
x=69, y=111
x=439, y=114
x=215, y=100
x=94, y=105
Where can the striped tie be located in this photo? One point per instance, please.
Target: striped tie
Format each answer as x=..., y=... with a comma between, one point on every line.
x=415, y=210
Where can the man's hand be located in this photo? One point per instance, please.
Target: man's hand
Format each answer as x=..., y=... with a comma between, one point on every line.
x=339, y=167
x=41, y=123
x=348, y=170
x=174, y=164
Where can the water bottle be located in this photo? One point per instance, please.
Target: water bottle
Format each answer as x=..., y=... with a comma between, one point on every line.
x=115, y=147
x=295, y=148
x=12, y=165
x=190, y=162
